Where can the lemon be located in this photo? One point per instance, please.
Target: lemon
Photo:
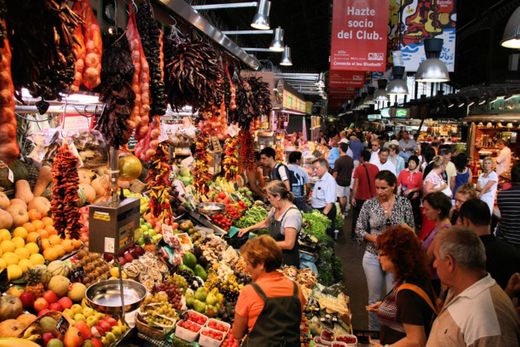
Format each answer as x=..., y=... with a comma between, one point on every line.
x=5, y=235
x=32, y=247
x=10, y=258
x=3, y=264
x=37, y=259
x=25, y=264
x=7, y=246
x=14, y=272
x=18, y=241
x=23, y=253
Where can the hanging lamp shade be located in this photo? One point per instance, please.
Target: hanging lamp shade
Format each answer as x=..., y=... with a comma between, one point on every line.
x=261, y=18
x=511, y=37
x=286, y=57
x=380, y=94
x=369, y=99
x=432, y=69
x=277, y=43
x=398, y=85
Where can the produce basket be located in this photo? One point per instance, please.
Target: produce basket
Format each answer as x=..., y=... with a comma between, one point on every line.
x=154, y=332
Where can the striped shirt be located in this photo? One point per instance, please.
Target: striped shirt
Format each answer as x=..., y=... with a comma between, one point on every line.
x=482, y=315
x=509, y=206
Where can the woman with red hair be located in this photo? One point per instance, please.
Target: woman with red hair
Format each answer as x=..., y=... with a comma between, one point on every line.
x=407, y=312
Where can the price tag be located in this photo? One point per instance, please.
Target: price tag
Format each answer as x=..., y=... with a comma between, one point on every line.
x=62, y=326
x=10, y=175
x=167, y=229
x=4, y=280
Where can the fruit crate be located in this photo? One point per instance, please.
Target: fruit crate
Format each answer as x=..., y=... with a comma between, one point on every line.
x=208, y=341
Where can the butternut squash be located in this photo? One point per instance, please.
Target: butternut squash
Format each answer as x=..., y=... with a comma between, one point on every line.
x=88, y=191
x=101, y=185
x=43, y=181
x=23, y=191
x=4, y=201
x=19, y=214
x=85, y=176
x=40, y=204
x=6, y=220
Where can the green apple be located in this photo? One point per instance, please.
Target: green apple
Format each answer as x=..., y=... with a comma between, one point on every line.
x=152, y=233
x=92, y=320
x=110, y=337
x=76, y=308
x=79, y=317
x=116, y=330
x=87, y=312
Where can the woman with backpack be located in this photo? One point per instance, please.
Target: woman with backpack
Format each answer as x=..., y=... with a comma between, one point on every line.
x=407, y=312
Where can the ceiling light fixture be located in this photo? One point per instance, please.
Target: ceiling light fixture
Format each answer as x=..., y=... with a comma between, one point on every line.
x=451, y=105
x=286, y=57
x=380, y=94
x=432, y=69
x=261, y=18
x=482, y=102
x=398, y=85
x=511, y=37
x=277, y=44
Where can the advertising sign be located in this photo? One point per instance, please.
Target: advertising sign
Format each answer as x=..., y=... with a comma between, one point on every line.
x=424, y=19
x=346, y=79
x=359, y=35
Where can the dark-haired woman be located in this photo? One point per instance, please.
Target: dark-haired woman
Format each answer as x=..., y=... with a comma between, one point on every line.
x=407, y=312
x=463, y=172
x=437, y=207
x=409, y=183
x=386, y=209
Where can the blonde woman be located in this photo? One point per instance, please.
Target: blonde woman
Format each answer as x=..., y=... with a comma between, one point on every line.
x=487, y=183
x=434, y=182
x=284, y=222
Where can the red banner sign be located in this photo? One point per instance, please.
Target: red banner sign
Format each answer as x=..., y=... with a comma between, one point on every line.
x=359, y=35
x=346, y=79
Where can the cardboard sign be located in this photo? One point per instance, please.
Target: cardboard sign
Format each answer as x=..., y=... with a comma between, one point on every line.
x=359, y=35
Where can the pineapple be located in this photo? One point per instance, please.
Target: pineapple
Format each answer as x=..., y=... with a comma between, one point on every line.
x=35, y=277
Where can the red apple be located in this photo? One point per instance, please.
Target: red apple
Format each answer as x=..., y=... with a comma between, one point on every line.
x=103, y=324
x=128, y=257
x=65, y=302
x=110, y=320
x=46, y=338
x=40, y=304
x=99, y=329
x=96, y=342
x=55, y=306
x=42, y=312
x=50, y=296
x=121, y=260
x=27, y=300
x=84, y=329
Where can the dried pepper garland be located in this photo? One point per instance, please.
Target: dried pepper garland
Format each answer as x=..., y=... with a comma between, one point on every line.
x=151, y=39
x=64, y=197
x=201, y=175
x=247, y=150
x=41, y=38
x=261, y=95
x=230, y=162
x=116, y=93
x=193, y=74
x=159, y=184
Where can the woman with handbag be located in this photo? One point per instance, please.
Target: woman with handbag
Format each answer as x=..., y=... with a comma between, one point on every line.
x=407, y=312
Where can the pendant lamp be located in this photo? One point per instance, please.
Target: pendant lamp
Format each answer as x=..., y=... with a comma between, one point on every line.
x=380, y=94
x=261, y=18
x=432, y=69
x=398, y=85
x=511, y=37
x=286, y=57
x=277, y=43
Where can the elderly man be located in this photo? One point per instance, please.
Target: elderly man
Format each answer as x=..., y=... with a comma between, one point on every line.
x=384, y=163
x=476, y=312
x=375, y=146
x=407, y=145
x=324, y=194
x=503, y=159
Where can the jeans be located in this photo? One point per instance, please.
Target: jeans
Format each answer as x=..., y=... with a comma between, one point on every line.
x=376, y=280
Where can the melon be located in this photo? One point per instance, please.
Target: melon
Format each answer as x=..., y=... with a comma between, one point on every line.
x=10, y=307
x=59, y=285
x=58, y=267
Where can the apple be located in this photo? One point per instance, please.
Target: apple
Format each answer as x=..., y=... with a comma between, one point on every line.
x=40, y=304
x=112, y=321
x=108, y=257
x=46, y=338
x=92, y=320
x=27, y=299
x=128, y=257
x=84, y=329
x=50, y=296
x=104, y=325
x=98, y=330
x=55, y=306
x=96, y=342
x=121, y=260
x=65, y=302
x=44, y=311
x=76, y=308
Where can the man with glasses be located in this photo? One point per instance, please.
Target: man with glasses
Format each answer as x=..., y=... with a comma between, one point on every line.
x=374, y=151
x=324, y=194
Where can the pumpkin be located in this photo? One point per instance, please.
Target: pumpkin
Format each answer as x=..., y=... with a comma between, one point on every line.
x=19, y=214
x=23, y=191
x=6, y=220
x=85, y=176
x=40, y=204
x=11, y=328
x=10, y=307
x=43, y=181
x=88, y=191
x=101, y=185
x=4, y=201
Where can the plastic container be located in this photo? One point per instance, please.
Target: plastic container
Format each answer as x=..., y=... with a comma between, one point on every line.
x=192, y=312
x=319, y=343
x=207, y=341
x=225, y=325
x=187, y=334
x=340, y=344
x=347, y=340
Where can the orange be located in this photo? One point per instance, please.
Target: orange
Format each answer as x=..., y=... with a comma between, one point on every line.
x=32, y=247
x=51, y=230
x=20, y=232
x=22, y=253
x=7, y=246
x=47, y=221
x=32, y=237
x=5, y=235
x=76, y=243
x=46, y=244
x=67, y=245
x=34, y=214
x=38, y=224
x=55, y=239
x=18, y=241
x=37, y=259
x=29, y=227
x=59, y=250
x=50, y=254
x=44, y=234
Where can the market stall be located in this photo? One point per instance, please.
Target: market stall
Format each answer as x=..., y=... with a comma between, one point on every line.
x=119, y=215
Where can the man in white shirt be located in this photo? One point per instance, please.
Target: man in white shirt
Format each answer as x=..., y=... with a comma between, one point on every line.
x=383, y=163
x=504, y=158
x=451, y=171
x=324, y=194
x=374, y=151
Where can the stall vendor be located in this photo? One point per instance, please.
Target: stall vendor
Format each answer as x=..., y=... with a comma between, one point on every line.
x=284, y=222
x=270, y=309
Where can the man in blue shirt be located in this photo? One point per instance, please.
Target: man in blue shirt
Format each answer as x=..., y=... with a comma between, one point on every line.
x=324, y=194
x=334, y=151
x=301, y=181
x=356, y=147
